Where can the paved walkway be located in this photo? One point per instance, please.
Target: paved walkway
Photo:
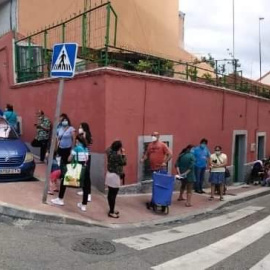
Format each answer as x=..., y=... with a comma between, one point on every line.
x=24, y=199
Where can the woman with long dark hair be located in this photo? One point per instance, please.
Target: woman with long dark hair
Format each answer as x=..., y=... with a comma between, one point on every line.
x=79, y=154
x=185, y=169
x=116, y=160
x=85, y=133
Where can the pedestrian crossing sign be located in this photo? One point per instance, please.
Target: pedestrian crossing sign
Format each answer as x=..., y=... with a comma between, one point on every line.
x=64, y=60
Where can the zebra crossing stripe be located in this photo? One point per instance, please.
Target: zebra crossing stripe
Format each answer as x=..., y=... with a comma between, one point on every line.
x=144, y=241
x=263, y=264
x=218, y=251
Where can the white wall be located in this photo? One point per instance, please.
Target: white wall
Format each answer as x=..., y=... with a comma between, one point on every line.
x=266, y=80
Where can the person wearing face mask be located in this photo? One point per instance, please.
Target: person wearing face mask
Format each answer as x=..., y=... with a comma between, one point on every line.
x=218, y=162
x=79, y=154
x=202, y=155
x=85, y=133
x=65, y=139
x=158, y=153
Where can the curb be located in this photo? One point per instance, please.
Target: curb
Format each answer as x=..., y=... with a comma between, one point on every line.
x=200, y=213
x=22, y=213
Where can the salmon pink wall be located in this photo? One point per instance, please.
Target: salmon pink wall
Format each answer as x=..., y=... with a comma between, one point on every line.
x=83, y=98
x=83, y=101
x=137, y=105
x=124, y=105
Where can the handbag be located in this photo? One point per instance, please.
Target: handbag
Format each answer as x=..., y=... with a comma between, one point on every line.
x=74, y=175
x=227, y=173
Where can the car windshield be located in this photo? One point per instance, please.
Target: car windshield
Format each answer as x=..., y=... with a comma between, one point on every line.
x=6, y=132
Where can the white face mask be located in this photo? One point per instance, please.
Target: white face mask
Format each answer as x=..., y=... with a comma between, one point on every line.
x=65, y=123
x=218, y=153
x=154, y=138
x=80, y=131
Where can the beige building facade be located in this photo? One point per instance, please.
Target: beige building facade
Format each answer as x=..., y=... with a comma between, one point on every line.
x=265, y=79
x=151, y=26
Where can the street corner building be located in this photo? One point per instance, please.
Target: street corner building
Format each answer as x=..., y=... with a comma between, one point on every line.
x=123, y=94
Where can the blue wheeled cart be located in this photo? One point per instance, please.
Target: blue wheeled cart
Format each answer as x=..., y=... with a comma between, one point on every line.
x=162, y=190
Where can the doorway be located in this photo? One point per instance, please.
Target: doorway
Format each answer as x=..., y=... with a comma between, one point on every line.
x=239, y=155
x=144, y=172
x=260, y=145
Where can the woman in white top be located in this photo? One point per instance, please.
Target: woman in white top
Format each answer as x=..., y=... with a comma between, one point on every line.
x=218, y=162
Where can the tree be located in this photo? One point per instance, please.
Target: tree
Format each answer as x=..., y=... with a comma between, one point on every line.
x=209, y=59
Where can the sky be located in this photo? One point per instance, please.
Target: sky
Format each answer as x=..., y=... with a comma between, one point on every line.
x=209, y=29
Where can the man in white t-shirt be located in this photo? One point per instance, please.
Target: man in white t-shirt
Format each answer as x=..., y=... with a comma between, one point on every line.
x=218, y=162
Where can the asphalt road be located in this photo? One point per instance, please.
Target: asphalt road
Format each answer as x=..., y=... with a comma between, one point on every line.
x=235, y=238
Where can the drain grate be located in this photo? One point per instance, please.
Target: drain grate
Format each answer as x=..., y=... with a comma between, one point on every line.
x=93, y=246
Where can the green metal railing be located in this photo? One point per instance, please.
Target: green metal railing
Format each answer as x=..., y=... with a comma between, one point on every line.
x=134, y=61
x=95, y=31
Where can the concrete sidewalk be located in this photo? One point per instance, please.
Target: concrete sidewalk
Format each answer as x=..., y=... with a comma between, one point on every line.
x=23, y=200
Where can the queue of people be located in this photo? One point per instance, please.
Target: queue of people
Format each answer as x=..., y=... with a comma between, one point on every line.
x=72, y=146
x=75, y=145
x=190, y=165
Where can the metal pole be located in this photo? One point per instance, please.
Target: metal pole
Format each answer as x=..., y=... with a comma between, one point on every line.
x=216, y=62
x=235, y=72
x=260, y=48
x=53, y=139
x=233, y=32
x=107, y=37
x=63, y=32
x=84, y=33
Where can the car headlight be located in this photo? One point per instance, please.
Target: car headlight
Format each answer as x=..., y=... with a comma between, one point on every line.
x=28, y=157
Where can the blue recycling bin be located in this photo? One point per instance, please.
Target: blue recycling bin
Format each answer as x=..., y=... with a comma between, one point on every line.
x=162, y=189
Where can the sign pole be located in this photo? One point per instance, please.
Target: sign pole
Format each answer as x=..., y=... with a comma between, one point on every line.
x=53, y=139
x=63, y=66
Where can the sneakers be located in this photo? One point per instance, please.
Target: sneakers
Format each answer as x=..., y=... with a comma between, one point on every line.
x=82, y=206
x=57, y=201
x=80, y=193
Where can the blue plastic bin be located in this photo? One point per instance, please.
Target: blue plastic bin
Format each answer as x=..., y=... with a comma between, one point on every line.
x=162, y=191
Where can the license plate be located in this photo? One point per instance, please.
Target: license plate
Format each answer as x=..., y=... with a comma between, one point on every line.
x=10, y=171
